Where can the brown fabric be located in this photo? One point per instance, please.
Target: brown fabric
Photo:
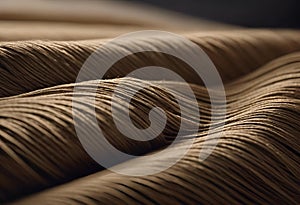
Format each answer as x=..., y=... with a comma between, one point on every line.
x=256, y=161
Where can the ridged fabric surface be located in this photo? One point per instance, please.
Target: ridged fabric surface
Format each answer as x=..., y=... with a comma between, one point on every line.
x=256, y=160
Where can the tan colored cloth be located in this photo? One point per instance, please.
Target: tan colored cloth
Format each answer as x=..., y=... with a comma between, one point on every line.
x=256, y=161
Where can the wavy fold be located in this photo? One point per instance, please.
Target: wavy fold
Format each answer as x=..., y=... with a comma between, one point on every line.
x=257, y=159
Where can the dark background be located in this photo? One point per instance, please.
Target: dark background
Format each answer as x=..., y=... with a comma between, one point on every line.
x=256, y=13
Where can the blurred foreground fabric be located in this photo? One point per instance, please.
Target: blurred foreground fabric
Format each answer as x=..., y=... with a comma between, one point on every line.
x=43, y=45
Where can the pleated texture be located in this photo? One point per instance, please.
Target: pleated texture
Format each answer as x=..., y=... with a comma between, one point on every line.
x=256, y=161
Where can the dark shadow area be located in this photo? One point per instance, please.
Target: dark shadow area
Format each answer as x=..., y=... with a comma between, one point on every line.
x=255, y=13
